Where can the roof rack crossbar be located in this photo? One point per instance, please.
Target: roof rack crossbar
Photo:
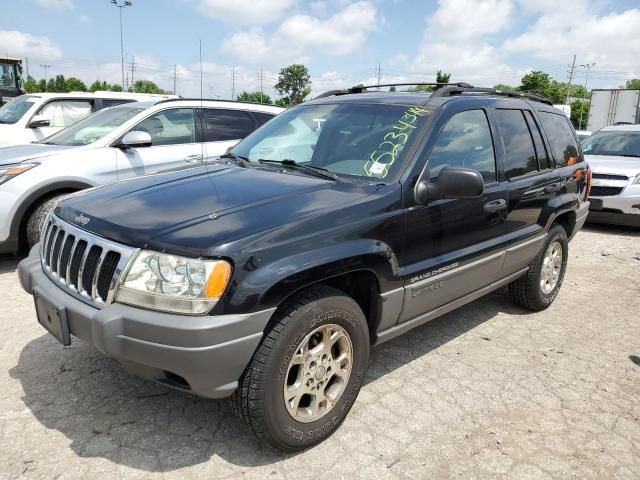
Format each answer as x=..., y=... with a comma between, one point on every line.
x=362, y=88
x=456, y=90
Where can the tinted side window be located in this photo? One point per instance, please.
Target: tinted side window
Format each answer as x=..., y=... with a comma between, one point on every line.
x=262, y=117
x=541, y=150
x=521, y=155
x=169, y=127
x=223, y=124
x=466, y=142
x=563, y=143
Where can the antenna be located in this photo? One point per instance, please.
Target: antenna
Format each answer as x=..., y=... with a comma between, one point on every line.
x=174, y=79
x=233, y=83
x=200, y=73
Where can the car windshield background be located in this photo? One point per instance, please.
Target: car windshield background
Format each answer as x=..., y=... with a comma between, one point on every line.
x=94, y=127
x=14, y=110
x=465, y=141
x=361, y=141
x=613, y=143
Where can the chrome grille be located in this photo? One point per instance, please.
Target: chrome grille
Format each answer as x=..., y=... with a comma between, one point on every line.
x=87, y=266
x=608, y=176
x=605, y=191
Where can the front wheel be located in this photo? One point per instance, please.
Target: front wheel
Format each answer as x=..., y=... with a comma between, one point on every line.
x=37, y=218
x=538, y=288
x=307, y=372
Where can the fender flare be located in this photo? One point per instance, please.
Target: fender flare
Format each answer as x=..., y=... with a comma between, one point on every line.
x=269, y=286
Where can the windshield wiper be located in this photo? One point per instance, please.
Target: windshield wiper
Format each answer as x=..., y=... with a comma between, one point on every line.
x=628, y=155
x=313, y=169
x=242, y=161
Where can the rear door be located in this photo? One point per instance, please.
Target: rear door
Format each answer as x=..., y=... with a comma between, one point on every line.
x=532, y=183
x=222, y=128
x=174, y=143
x=453, y=245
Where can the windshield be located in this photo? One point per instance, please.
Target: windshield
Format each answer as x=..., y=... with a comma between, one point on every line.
x=613, y=143
x=15, y=109
x=94, y=127
x=347, y=139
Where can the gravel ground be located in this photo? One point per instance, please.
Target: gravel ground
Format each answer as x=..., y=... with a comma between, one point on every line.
x=487, y=391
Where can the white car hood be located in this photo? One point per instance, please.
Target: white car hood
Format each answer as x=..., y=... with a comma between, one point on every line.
x=629, y=166
x=19, y=153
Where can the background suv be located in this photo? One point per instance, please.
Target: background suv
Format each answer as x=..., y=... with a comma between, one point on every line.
x=113, y=145
x=32, y=117
x=613, y=153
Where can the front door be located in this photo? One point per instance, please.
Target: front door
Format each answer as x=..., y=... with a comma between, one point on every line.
x=173, y=137
x=453, y=245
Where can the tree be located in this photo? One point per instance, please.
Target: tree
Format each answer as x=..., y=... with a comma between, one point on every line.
x=579, y=113
x=146, y=86
x=98, y=85
x=392, y=88
x=60, y=85
x=30, y=85
x=73, y=84
x=540, y=83
x=42, y=85
x=51, y=85
x=256, y=97
x=115, y=87
x=283, y=102
x=294, y=82
x=441, y=78
x=634, y=83
x=504, y=87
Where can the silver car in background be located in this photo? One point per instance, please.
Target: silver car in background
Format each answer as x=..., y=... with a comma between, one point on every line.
x=112, y=145
x=613, y=153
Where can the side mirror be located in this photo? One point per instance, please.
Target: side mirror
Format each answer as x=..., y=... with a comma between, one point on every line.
x=453, y=182
x=39, y=121
x=135, y=139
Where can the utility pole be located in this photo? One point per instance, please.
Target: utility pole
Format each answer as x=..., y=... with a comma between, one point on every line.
x=46, y=67
x=379, y=74
x=132, y=64
x=573, y=67
x=586, y=80
x=120, y=6
x=261, y=91
x=174, y=78
x=233, y=83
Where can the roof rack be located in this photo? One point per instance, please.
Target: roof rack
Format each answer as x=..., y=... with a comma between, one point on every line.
x=193, y=99
x=447, y=89
x=458, y=90
x=362, y=88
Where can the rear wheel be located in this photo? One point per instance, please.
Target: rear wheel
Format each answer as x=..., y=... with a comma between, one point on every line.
x=538, y=288
x=37, y=218
x=306, y=374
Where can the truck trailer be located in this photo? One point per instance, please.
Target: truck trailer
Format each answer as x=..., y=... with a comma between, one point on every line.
x=613, y=106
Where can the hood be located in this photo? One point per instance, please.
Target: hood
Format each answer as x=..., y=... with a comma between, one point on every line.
x=629, y=166
x=194, y=210
x=30, y=151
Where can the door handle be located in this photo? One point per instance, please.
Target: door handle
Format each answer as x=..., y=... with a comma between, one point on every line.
x=193, y=158
x=495, y=206
x=553, y=188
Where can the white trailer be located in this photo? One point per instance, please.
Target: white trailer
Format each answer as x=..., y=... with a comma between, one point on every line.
x=609, y=107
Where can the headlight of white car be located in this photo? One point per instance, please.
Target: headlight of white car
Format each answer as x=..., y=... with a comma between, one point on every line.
x=174, y=284
x=7, y=172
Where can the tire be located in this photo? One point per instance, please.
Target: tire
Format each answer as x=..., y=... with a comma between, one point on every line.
x=37, y=218
x=260, y=402
x=534, y=290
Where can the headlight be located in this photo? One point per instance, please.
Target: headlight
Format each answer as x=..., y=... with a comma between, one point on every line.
x=174, y=284
x=7, y=172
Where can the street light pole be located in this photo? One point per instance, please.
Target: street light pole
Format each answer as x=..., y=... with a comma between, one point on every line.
x=586, y=80
x=120, y=7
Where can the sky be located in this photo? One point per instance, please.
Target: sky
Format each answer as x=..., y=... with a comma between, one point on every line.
x=482, y=42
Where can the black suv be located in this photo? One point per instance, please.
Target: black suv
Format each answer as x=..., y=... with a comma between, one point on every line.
x=269, y=273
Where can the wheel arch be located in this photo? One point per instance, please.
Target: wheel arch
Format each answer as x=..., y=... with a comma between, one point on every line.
x=31, y=202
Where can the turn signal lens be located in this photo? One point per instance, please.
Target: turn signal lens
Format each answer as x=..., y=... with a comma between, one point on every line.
x=218, y=280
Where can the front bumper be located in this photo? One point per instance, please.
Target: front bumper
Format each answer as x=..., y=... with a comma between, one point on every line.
x=623, y=209
x=202, y=354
